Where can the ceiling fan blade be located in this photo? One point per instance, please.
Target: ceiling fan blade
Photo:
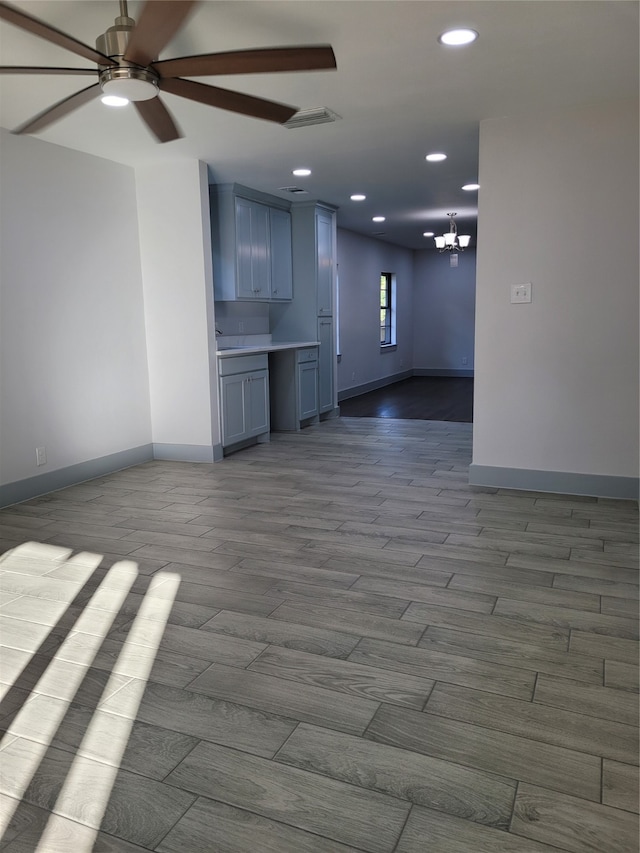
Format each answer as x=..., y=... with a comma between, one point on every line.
x=39, y=28
x=34, y=69
x=258, y=61
x=226, y=100
x=157, y=24
x=158, y=119
x=59, y=110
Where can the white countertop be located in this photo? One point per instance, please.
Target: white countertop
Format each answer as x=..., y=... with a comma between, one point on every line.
x=251, y=349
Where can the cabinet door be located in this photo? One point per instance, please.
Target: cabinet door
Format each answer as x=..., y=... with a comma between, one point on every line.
x=326, y=361
x=244, y=250
x=261, y=253
x=281, y=262
x=307, y=390
x=325, y=250
x=233, y=408
x=245, y=406
x=257, y=403
x=253, y=272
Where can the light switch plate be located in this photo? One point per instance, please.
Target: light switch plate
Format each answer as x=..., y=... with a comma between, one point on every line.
x=521, y=292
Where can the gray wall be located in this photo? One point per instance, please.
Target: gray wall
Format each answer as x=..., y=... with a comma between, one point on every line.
x=444, y=301
x=177, y=281
x=360, y=262
x=557, y=380
x=73, y=352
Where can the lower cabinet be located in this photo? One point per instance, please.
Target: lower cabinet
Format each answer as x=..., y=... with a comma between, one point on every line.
x=308, y=390
x=326, y=363
x=294, y=388
x=244, y=397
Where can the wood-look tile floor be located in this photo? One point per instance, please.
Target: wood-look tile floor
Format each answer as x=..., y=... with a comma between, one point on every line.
x=325, y=644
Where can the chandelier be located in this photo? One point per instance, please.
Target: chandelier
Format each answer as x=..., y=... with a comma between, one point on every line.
x=452, y=241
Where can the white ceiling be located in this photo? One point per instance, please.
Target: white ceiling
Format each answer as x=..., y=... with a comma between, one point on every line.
x=400, y=94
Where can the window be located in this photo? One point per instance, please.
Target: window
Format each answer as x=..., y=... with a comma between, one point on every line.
x=387, y=309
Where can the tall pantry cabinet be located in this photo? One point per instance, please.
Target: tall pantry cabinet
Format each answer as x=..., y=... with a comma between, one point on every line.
x=311, y=314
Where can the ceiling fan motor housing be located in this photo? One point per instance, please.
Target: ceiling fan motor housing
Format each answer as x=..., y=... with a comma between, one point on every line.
x=114, y=42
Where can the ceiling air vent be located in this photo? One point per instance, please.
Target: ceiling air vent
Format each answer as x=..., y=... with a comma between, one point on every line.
x=315, y=115
x=293, y=190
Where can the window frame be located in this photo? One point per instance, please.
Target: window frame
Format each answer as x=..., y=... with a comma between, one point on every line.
x=387, y=294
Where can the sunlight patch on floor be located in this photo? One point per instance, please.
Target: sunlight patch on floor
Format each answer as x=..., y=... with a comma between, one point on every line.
x=37, y=730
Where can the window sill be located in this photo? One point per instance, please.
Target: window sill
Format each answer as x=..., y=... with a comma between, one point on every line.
x=388, y=347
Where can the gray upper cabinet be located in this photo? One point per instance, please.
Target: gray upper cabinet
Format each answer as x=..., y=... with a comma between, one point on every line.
x=325, y=258
x=281, y=254
x=251, y=244
x=253, y=276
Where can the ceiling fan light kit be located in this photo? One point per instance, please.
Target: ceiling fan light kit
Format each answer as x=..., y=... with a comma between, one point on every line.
x=129, y=69
x=132, y=84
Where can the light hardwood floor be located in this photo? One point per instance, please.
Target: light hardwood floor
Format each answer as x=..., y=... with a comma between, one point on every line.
x=325, y=644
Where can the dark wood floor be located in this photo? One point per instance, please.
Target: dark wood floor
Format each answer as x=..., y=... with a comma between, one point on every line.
x=429, y=398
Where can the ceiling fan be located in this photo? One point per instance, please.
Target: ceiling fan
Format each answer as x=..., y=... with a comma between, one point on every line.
x=129, y=69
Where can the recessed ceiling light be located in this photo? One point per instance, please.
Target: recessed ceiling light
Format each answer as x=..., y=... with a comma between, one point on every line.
x=114, y=101
x=471, y=187
x=457, y=38
x=427, y=234
x=358, y=197
x=436, y=157
x=301, y=173
x=379, y=218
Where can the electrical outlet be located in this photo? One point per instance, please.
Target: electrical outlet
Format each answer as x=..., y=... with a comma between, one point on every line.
x=41, y=455
x=240, y=326
x=464, y=359
x=521, y=292
x=353, y=375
